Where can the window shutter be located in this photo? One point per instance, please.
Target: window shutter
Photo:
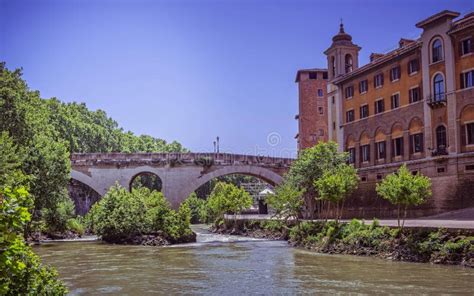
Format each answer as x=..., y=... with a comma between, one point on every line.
x=471, y=49
x=375, y=79
x=383, y=106
x=410, y=96
x=368, y=152
x=381, y=75
x=360, y=154
x=399, y=72
x=461, y=79
x=460, y=48
x=463, y=135
x=393, y=149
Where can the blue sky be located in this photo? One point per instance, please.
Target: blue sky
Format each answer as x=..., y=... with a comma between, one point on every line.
x=192, y=70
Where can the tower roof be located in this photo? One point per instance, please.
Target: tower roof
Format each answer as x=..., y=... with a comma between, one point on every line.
x=342, y=35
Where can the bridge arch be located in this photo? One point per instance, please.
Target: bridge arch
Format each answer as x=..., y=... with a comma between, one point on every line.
x=266, y=175
x=148, y=179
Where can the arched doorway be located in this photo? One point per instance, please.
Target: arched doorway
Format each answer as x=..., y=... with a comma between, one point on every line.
x=146, y=179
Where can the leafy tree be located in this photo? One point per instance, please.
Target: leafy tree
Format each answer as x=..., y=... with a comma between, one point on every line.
x=335, y=185
x=310, y=166
x=21, y=271
x=404, y=189
x=120, y=216
x=198, y=208
x=287, y=201
x=227, y=199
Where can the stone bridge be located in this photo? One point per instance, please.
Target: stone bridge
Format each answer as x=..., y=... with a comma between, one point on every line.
x=180, y=173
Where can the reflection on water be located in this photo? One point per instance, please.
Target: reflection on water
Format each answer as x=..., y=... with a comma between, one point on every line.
x=233, y=265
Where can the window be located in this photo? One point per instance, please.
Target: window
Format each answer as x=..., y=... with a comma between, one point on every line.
x=466, y=46
x=364, y=111
x=365, y=151
x=350, y=116
x=348, y=63
x=437, y=51
x=413, y=66
x=321, y=110
x=349, y=91
x=470, y=133
x=398, y=147
x=417, y=143
x=467, y=79
x=380, y=147
x=438, y=87
x=379, y=106
x=333, y=66
x=325, y=75
x=395, y=73
x=333, y=101
x=320, y=92
x=441, y=137
x=333, y=125
x=351, y=155
x=321, y=132
x=363, y=86
x=313, y=75
x=414, y=94
x=378, y=80
x=395, y=101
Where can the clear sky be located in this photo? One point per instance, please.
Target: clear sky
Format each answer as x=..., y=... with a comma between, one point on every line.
x=193, y=70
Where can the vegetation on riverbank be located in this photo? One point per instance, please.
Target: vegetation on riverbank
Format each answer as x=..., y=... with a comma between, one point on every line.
x=139, y=217
x=44, y=132
x=438, y=246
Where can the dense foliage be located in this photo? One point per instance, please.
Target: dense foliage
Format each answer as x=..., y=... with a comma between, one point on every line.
x=45, y=132
x=404, y=189
x=121, y=216
x=335, y=185
x=287, y=201
x=198, y=207
x=227, y=198
x=310, y=166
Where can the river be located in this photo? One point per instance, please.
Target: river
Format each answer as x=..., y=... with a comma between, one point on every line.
x=230, y=265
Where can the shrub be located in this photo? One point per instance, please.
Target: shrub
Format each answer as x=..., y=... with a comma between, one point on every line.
x=56, y=218
x=198, y=208
x=21, y=271
x=227, y=199
x=75, y=225
x=121, y=216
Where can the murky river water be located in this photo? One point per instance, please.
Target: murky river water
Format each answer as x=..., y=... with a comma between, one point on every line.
x=225, y=265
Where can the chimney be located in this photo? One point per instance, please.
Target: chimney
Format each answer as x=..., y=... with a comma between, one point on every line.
x=374, y=56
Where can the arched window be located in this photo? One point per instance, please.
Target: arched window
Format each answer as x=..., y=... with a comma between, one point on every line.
x=333, y=66
x=348, y=63
x=437, y=51
x=438, y=87
x=441, y=138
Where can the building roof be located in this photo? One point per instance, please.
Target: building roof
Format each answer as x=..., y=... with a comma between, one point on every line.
x=379, y=61
x=437, y=16
x=297, y=79
x=464, y=23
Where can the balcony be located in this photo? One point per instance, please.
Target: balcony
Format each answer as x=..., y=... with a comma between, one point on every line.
x=439, y=151
x=437, y=101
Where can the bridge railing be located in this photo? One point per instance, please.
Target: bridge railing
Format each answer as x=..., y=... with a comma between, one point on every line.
x=178, y=158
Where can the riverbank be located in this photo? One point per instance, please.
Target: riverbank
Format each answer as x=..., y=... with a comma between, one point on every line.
x=426, y=245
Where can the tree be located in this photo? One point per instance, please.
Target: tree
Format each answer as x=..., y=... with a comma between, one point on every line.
x=21, y=271
x=227, y=199
x=335, y=185
x=121, y=216
x=198, y=208
x=287, y=201
x=404, y=189
x=310, y=165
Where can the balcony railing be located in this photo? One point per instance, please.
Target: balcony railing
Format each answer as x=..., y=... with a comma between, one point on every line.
x=437, y=100
x=439, y=151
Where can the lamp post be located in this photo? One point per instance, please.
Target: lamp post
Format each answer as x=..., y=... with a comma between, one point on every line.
x=215, y=147
x=217, y=144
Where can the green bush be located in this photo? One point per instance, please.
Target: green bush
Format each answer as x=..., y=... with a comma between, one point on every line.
x=121, y=216
x=227, y=199
x=273, y=225
x=21, y=271
x=198, y=209
x=56, y=218
x=75, y=225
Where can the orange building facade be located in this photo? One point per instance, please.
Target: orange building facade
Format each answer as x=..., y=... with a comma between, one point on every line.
x=412, y=105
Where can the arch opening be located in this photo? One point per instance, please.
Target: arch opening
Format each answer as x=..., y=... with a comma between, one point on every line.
x=83, y=196
x=146, y=179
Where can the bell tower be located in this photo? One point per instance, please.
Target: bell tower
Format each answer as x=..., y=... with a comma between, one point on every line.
x=342, y=55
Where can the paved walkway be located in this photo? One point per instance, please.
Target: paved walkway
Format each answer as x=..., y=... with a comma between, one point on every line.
x=429, y=223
